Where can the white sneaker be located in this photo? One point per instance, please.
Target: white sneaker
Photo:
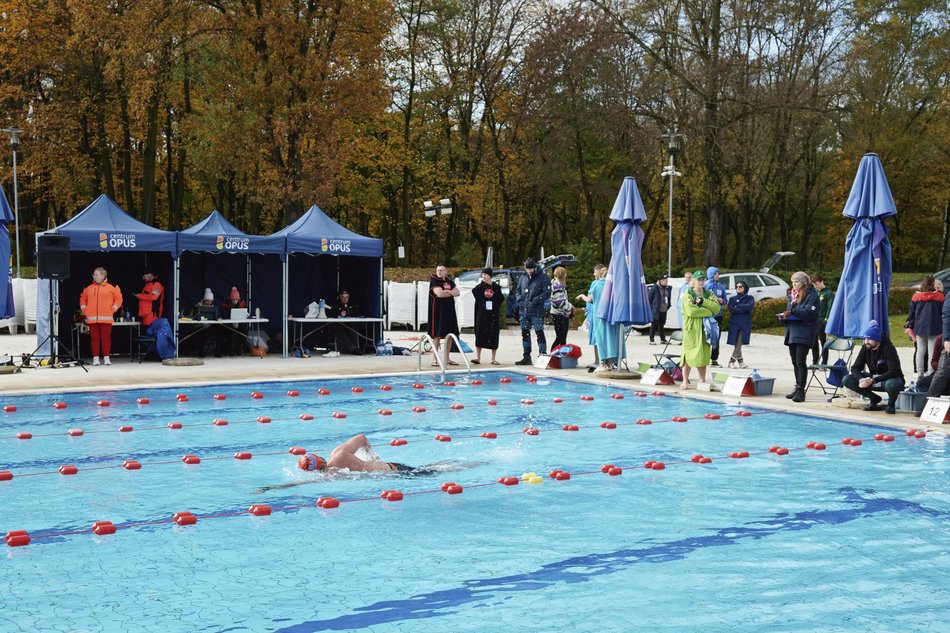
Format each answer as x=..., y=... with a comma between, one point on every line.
x=732, y=364
x=95, y=360
x=106, y=361
x=742, y=365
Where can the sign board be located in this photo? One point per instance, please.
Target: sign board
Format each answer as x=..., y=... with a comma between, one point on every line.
x=738, y=386
x=542, y=362
x=936, y=411
x=656, y=376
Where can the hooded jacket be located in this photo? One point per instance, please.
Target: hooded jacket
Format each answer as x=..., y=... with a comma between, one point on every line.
x=98, y=302
x=716, y=288
x=924, y=316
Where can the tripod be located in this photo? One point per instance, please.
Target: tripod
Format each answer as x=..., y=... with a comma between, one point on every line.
x=55, y=344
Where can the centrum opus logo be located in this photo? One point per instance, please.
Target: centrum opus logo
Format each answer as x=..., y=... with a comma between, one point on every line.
x=117, y=240
x=334, y=245
x=232, y=243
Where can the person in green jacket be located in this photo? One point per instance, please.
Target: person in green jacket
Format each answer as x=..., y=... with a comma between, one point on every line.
x=825, y=298
x=697, y=303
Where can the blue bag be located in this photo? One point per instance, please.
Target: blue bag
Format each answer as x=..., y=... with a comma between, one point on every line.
x=836, y=374
x=711, y=329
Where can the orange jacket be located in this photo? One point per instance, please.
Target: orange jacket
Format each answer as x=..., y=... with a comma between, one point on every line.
x=98, y=302
x=150, y=301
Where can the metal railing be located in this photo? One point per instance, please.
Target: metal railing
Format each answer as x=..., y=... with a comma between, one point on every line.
x=425, y=338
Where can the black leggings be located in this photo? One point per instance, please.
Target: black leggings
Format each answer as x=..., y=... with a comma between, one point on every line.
x=799, y=354
x=560, y=329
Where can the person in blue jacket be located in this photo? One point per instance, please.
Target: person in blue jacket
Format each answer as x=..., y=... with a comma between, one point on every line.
x=740, y=323
x=534, y=291
x=801, y=321
x=719, y=292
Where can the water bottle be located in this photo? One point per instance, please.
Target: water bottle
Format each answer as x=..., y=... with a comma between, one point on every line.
x=389, y=347
x=755, y=375
x=380, y=347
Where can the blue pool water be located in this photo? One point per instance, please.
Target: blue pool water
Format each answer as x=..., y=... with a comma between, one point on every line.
x=845, y=539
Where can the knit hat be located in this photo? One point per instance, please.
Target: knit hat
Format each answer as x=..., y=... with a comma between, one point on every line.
x=801, y=277
x=530, y=263
x=235, y=295
x=873, y=332
x=209, y=296
x=488, y=271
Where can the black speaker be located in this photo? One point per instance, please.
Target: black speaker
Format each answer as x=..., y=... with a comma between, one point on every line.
x=52, y=257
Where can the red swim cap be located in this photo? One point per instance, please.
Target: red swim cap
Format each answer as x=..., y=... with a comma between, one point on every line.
x=311, y=462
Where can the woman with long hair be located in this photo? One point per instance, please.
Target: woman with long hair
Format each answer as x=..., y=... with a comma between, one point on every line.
x=801, y=323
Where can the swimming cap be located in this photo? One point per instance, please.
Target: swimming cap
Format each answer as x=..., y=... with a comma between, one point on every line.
x=311, y=462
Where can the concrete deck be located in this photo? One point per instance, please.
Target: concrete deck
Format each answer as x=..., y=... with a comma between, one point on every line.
x=766, y=353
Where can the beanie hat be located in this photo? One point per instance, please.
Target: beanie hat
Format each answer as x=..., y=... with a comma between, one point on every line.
x=208, y=295
x=235, y=295
x=873, y=332
x=802, y=278
x=530, y=263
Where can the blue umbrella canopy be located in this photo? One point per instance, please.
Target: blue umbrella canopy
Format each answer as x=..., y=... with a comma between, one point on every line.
x=625, y=299
x=866, y=278
x=7, y=309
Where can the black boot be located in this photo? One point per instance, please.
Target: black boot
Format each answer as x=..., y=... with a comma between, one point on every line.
x=524, y=361
x=799, y=395
x=792, y=393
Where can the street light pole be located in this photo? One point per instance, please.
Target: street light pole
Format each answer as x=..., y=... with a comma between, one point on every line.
x=15, y=142
x=673, y=138
x=431, y=209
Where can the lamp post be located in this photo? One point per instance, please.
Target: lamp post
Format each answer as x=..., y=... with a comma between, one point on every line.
x=14, y=134
x=432, y=209
x=673, y=143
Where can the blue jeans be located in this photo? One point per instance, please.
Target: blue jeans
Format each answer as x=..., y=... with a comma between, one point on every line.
x=536, y=322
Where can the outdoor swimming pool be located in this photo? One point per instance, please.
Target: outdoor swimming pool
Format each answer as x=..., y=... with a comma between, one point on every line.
x=851, y=538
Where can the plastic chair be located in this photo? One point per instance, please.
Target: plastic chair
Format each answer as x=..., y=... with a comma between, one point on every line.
x=844, y=348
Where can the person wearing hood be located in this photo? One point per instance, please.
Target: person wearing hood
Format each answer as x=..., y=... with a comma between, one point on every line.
x=740, y=323
x=801, y=321
x=877, y=368
x=719, y=293
x=924, y=323
x=697, y=304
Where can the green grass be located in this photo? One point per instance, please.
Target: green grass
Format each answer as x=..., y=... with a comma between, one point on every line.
x=896, y=323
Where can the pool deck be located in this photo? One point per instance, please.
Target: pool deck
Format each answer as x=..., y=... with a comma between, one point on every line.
x=766, y=353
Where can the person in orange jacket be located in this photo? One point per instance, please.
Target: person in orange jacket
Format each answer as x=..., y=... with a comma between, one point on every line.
x=150, y=299
x=98, y=302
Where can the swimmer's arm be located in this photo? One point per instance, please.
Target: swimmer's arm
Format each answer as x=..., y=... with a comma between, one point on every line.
x=282, y=486
x=354, y=444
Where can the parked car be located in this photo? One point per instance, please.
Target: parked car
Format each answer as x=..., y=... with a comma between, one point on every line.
x=943, y=276
x=507, y=278
x=761, y=285
x=774, y=259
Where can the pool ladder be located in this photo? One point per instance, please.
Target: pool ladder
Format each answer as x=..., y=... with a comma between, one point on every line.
x=425, y=338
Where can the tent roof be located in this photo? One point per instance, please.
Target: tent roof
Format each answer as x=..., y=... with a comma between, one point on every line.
x=215, y=234
x=316, y=233
x=104, y=226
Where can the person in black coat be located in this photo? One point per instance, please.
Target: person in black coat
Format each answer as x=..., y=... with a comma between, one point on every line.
x=660, y=300
x=740, y=323
x=488, y=313
x=877, y=368
x=801, y=321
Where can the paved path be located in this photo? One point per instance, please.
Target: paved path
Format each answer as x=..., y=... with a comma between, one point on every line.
x=766, y=353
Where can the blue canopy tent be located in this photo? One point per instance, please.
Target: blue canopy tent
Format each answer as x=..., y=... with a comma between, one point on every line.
x=104, y=235
x=355, y=262
x=625, y=300
x=7, y=308
x=214, y=254
x=866, y=278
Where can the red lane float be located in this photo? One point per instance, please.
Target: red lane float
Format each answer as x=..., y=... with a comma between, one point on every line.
x=658, y=466
x=328, y=503
x=476, y=382
x=219, y=396
x=323, y=391
x=884, y=437
x=5, y=475
x=356, y=389
x=243, y=455
x=418, y=385
x=615, y=471
x=257, y=395
x=492, y=402
x=781, y=451
x=508, y=481
x=142, y=401
x=457, y=406
x=739, y=454
x=818, y=446
x=449, y=383
x=68, y=469
x=59, y=405
x=101, y=528
x=297, y=450
x=452, y=488
x=617, y=396
x=641, y=394
x=182, y=397
x=743, y=414
x=695, y=458
x=306, y=416
x=24, y=435
x=527, y=401
x=648, y=464
x=220, y=422
x=606, y=467
x=711, y=416
x=384, y=412
x=558, y=400
x=418, y=409
x=18, y=538
x=293, y=393
x=443, y=438
x=263, y=419
x=391, y=495
x=385, y=387
x=490, y=435
x=530, y=430
x=131, y=464
x=339, y=415
x=191, y=459
x=260, y=510
x=679, y=418
x=125, y=428
x=570, y=427
x=504, y=380
x=174, y=425
x=560, y=475
x=103, y=403
x=398, y=442
x=9, y=408
x=659, y=394
x=852, y=441
x=644, y=421
x=185, y=518
x=74, y=432
x=587, y=398
x=531, y=379
x=608, y=425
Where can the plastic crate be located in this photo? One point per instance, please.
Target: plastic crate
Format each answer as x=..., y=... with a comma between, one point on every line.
x=567, y=362
x=763, y=386
x=911, y=400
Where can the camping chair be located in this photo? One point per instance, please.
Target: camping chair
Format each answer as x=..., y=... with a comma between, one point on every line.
x=844, y=347
x=143, y=345
x=666, y=360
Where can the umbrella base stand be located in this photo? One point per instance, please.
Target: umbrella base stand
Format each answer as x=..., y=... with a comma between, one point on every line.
x=624, y=374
